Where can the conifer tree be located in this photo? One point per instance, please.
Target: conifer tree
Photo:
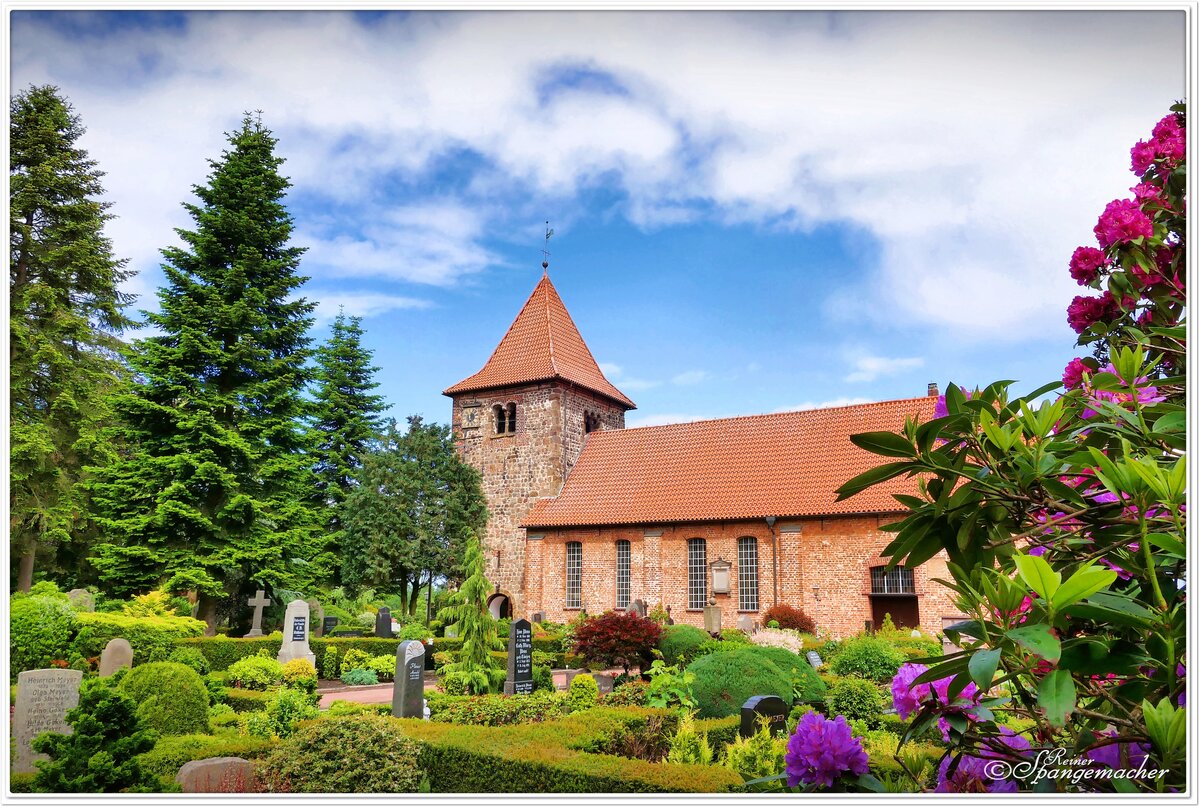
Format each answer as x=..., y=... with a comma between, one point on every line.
x=65, y=310
x=346, y=418
x=474, y=670
x=214, y=498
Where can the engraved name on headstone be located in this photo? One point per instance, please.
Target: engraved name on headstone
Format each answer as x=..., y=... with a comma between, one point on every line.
x=814, y=658
x=295, y=634
x=520, y=659
x=43, y=698
x=408, y=691
x=771, y=708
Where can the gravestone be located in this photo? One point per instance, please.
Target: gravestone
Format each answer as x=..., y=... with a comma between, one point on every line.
x=318, y=617
x=637, y=608
x=259, y=601
x=520, y=658
x=295, y=634
x=383, y=624
x=351, y=633
x=216, y=775
x=43, y=698
x=771, y=708
x=538, y=616
x=452, y=632
x=814, y=658
x=745, y=623
x=604, y=683
x=712, y=618
x=670, y=619
x=328, y=624
x=116, y=654
x=81, y=599
x=408, y=689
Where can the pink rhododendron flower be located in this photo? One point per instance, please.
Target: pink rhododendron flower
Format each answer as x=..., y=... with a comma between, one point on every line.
x=1143, y=393
x=1073, y=373
x=1141, y=157
x=1083, y=312
x=1122, y=221
x=1170, y=142
x=1086, y=263
x=1145, y=191
x=972, y=774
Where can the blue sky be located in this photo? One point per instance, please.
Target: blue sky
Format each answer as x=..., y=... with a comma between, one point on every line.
x=753, y=211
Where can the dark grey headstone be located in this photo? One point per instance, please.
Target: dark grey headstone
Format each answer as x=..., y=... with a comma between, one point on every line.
x=604, y=683
x=772, y=708
x=520, y=658
x=352, y=633
x=408, y=689
x=814, y=658
x=383, y=624
x=328, y=624
x=538, y=616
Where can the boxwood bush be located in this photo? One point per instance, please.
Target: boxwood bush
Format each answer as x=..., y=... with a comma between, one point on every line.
x=856, y=699
x=171, y=697
x=256, y=672
x=496, y=710
x=153, y=638
x=679, y=644
x=172, y=753
x=192, y=658
x=39, y=631
x=806, y=684
x=725, y=680
x=868, y=657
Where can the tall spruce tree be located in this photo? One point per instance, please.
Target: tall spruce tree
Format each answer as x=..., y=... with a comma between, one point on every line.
x=346, y=418
x=65, y=310
x=214, y=497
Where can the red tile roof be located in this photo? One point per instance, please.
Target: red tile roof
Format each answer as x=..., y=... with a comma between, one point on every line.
x=542, y=344
x=787, y=464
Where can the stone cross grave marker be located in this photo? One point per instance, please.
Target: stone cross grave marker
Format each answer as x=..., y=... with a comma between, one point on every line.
x=408, y=689
x=328, y=624
x=295, y=634
x=116, y=654
x=520, y=659
x=259, y=601
x=769, y=707
x=814, y=658
x=383, y=624
x=43, y=698
x=216, y=775
x=81, y=599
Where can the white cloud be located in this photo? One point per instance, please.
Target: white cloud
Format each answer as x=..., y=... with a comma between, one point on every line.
x=615, y=374
x=664, y=419
x=690, y=377
x=868, y=368
x=830, y=404
x=974, y=148
x=360, y=304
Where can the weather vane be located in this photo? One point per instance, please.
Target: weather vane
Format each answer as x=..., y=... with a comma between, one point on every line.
x=546, y=250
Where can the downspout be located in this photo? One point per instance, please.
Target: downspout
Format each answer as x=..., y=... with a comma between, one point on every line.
x=774, y=559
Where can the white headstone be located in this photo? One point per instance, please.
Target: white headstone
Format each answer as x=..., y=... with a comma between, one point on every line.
x=116, y=654
x=295, y=634
x=43, y=698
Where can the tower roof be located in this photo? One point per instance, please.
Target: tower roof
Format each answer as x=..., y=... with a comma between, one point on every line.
x=542, y=344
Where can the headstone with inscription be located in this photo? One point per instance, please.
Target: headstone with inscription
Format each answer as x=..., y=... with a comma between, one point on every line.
x=216, y=775
x=604, y=683
x=408, y=690
x=295, y=634
x=769, y=708
x=745, y=623
x=328, y=624
x=538, y=616
x=43, y=698
x=814, y=658
x=520, y=658
x=260, y=600
x=116, y=654
x=81, y=599
x=383, y=624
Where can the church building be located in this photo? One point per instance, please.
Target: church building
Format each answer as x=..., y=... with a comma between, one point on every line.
x=585, y=514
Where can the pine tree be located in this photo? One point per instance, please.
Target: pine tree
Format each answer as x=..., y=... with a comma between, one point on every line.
x=65, y=310
x=346, y=418
x=410, y=517
x=474, y=669
x=214, y=499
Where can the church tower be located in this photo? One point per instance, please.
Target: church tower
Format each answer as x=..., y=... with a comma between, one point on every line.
x=522, y=420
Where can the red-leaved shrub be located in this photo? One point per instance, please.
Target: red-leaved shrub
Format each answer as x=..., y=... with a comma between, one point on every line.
x=618, y=640
x=790, y=618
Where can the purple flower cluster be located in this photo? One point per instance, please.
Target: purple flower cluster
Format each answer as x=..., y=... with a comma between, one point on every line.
x=1110, y=755
x=1122, y=221
x=972, y=775
x=1168, y=142
x=1086, y=263
x=1143, y=393
x=1083, y=312
x=822, y=750
x=908, y=697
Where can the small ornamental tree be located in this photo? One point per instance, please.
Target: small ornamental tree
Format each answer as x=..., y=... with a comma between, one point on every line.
x=1064, y=521
x=474, y=670
x=618, y=640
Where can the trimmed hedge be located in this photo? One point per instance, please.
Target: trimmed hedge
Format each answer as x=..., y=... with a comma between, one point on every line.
x=680, y=644
x=172, y=753
x=810, y=688
x=554, y=757
x=246, y=700
x=171, y=697
x=151, y=637
x=725, y=680
x=495, y=710
x=720, y=731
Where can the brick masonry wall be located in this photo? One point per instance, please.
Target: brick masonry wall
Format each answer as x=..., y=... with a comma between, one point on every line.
x=520, y=467
x=824, y=568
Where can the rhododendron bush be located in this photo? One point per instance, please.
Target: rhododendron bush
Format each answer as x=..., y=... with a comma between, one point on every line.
x=1063, y=516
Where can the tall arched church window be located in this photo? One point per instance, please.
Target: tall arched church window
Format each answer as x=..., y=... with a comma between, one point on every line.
x=500, y=418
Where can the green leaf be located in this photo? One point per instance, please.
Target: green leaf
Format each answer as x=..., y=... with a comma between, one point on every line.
x=1039, y=640
x=886, y=444
x=982, y=667
x=1038, y=575
x=873, y=477
x=1081, y=585
x=1056, y=695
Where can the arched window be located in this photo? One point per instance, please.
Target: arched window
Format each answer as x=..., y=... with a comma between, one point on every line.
x=697, y=574
x=501, y=419
x=512, y=417
x=574, y=593
x=622, y=574
x=747, y=574
x=591, y=422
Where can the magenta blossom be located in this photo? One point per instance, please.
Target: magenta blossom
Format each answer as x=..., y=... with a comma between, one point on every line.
x=974, y=775
x=1086, y=263
x=1073, y=373
x=1110, y=755
x=1146, y=191
x=1143, y=393
x=1141, y=157
x=1122, y=221
x=1181, y=672
x=823, y=750
x=907, y=698
x=1083, y=312
x=939, y=409
x=1170, y=142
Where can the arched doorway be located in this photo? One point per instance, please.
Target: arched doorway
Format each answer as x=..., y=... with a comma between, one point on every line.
x=500, y=606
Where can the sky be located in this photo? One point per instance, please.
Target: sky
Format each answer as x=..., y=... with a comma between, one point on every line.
x=752, y=211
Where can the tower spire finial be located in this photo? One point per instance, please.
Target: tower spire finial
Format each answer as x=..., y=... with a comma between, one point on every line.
x=546, y=251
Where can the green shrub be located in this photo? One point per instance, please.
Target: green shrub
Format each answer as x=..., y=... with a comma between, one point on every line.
x=353, y=754
x=806, y=684
x=256, y=672
x=330, y=665
x=757, y=756
x=356, y=659
x=359, y=677
x=724, y=681
x=679, y=643
x=153, y=638
x=101, y=753
x=868, y=657
x=299, y=673
x=172, y=753
x=543, y=678
x=720, y=731
x=342, y=708
x=223, y=652
x=689, y=746
x=582, y=693
x=918, y=648
x=631, y=693
x=171, y=697
x=39, y=631
x=285, y=708
x=415, y=631
x=384, y=667
x=246, y=700
x=192, y=658
x=856, y=699
x=496, y=710
x=734, y=636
